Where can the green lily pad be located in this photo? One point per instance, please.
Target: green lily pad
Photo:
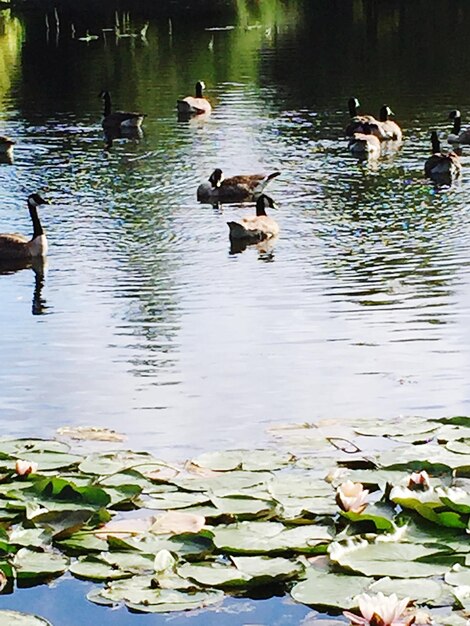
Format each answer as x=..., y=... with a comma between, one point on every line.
x=249, y=460
x=15, y=618
x=323, y=589
x=92, y=568
x=420, y=590
x=30, y=565
x=458, y=577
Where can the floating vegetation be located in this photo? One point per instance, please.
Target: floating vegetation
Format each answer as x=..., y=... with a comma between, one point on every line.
x=342, y=530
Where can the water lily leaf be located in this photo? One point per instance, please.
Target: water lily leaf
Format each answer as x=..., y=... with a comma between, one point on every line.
x=270, y=538
x=83, y=542
x=51, y=461
x=264, y=570
x=458, y=577
x=176, y=522
x=90, y=433
x=124, y=495
x=125, y=527
x=249, y=460
x=379, y=514
x=223, y=484
x=92, y=568
x=446, y=518
x=456, y=499
x=30, y=537
x=213, y=574
x=175, y=500
x=65, y=490
x=418, y=589
x=103, y=464
x=29, y=564
x=244, y=507
x=459, y=447
x=15, y=447
x=323, y=589
x=63, y=523
x=410, y=426
x=397, y=560
x=431, y=457
x=15, y=618
x=300, y=486
x=187, y=545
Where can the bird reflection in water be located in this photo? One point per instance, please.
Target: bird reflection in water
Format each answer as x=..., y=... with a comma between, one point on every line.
x=39, y=266
x=131, y=133
x=265, y=248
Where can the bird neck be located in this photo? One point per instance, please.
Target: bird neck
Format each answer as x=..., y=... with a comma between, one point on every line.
x=37, y=228
x=457, y=124
x=260, y=210
x=198, y=90
x=436, y=146
x=352, y=108
x=107, y=104
x=383, y=115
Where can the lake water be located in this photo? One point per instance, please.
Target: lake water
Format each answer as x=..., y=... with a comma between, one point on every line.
x=144, y=321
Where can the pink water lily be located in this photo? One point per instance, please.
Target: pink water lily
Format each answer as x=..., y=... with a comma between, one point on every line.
x=352, y=497
x=380, y=610
x=419, y=481
x=23, y=468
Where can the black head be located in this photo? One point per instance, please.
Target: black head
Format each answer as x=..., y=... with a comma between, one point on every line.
x=103, y=94
x=35, y=200
x=200, y=86
x=384, y=112
x=264, y=202
x=454, y=114
x=216, y=177
x=353, y=105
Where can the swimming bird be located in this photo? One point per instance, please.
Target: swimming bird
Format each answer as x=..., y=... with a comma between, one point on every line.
x=118, y=119
x=365, y=144
x=441, y=167
x=258, y=227
x=194, y=105
x=457, y=135
x=19, y=247
x=356, y=125
x=233, y=189
x=6, y=145
x=390, y=127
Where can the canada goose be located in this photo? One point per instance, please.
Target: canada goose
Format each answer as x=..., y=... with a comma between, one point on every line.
x=19, y=247
x=233, y=189
x=365, y=144
x=6, y=145
x=356, y=125
x=118, y=119
x=390, y=127
x=441, y=167
x=257, y=227
x=458, y=136
x=194, y=105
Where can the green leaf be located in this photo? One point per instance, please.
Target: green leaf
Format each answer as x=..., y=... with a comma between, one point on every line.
x=31, y=565
x=458, y=577
x=420, y=590
x=323, y=589
x=15, y=618
x=93, y=568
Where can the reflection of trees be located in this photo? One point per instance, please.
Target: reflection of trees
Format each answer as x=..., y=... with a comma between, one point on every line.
x=11, y=37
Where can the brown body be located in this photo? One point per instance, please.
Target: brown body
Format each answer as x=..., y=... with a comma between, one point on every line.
x=13, y=247
x=458, y=136
x=380, y=128
x=441, y=167
x=119, y=119
x=233, y=189
x=259, y=226
x=194, y=105
x=365, y=145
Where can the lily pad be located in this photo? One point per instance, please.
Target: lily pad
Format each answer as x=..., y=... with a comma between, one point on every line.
x=15, y=618
x=324, y=589
x=35, y=565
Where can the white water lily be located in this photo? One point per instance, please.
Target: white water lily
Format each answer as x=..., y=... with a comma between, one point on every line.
x=380, y=610
x=23, y=468
x=428, y=496
x=352, y=497
x=419, y=481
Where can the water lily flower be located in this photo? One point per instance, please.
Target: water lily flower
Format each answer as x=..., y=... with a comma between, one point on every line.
x=352, y=497
x=380, y=610
x=419, y=481
x=23, y=468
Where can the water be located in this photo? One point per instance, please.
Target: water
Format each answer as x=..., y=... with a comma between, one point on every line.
x=144, y=321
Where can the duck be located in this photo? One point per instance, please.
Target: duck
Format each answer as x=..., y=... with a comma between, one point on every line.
x=441, y=167
x=458, y=136
x=14, y=247
x=119, y=119
x=6, y=145
x=194, y=105
x=356, y=125
x=259, y=226
x=233, y=189
x=390, y=127
x=365, y=144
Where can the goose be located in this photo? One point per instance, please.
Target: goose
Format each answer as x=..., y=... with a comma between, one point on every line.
x=258, y=227
x=390, y=127
x=356, y=125
x=118, y=119
x=365, y=144
x=458, y=136
x=441, y=167
x=19, y=247
x=233, y=189
x=194, y=105
x=6, y=145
